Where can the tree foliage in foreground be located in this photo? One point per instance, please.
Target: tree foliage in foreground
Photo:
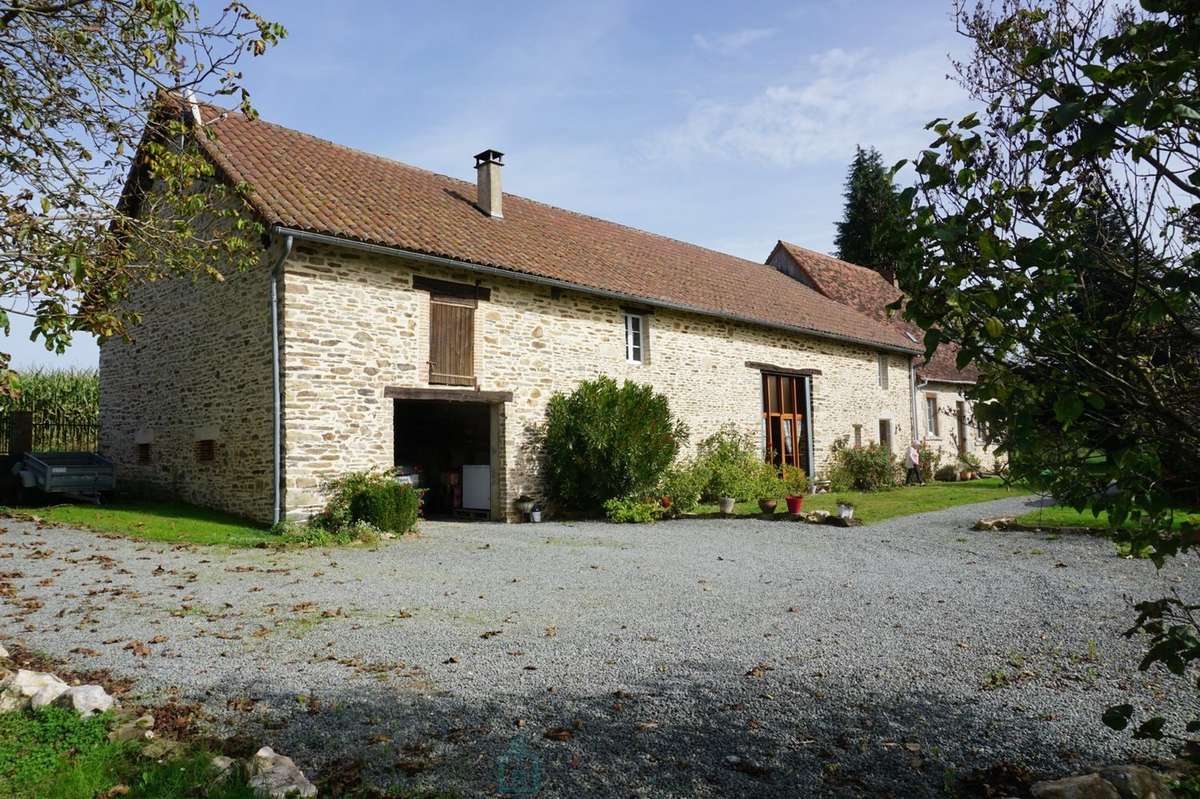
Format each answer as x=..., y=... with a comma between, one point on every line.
x=1055, y=242
x=83, y=83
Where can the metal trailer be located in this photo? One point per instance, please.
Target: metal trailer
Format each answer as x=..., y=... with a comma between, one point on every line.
x=84, y=474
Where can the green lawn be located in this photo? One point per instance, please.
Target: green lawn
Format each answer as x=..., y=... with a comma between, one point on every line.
x=1055, y=516
x=158, y=521
x=879, y=505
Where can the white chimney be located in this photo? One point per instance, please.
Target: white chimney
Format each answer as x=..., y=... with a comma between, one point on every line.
x=487, y=174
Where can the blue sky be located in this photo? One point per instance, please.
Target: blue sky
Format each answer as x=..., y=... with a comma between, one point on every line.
x=725, y=124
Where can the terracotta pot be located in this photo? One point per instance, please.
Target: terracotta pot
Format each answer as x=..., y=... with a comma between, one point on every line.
x=795, y=504
x=726, y=504
x=768, y=505
x=665, y=502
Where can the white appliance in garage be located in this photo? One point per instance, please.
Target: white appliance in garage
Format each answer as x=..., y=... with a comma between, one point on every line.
x=477, y=487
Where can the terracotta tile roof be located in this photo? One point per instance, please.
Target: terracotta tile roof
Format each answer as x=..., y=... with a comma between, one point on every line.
x=302, y=182
x=870, y=293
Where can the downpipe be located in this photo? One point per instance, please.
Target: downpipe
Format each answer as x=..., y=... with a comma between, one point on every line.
x=276, y=272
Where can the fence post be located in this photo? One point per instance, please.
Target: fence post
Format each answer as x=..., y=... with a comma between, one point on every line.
x=20, y=434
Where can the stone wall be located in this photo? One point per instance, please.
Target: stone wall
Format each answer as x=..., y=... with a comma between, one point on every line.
x=946, y=440
x=198, y=369
x=354, y=325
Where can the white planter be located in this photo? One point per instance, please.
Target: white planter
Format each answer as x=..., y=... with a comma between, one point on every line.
x=535, y=515
x=726, y=504
x=846, y=511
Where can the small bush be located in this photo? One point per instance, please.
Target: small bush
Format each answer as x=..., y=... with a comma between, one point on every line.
x=766, y=482
x=683, y=484
x=633, y=511
x=390, y=506
x=603, y=440
x=731, y=460
x=869, y=468
x=341, y=492
x=795, y=481
x=946, y=474
x=930, y=459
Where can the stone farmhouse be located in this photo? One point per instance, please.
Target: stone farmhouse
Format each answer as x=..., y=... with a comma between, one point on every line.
x=401, y=318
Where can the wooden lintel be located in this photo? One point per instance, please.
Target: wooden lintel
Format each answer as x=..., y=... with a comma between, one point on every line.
x=447, y=395
x=781, y=370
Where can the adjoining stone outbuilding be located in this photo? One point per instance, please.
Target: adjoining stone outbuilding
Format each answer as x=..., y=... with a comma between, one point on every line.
x=401, y=318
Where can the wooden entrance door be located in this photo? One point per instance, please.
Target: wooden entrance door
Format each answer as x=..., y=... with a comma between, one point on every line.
x=783, y=420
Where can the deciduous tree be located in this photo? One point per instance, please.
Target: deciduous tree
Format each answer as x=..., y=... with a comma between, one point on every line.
x=1055, y=242
x=90, y=96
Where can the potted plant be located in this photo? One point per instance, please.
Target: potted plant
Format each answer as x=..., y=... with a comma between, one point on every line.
x=524, y=504
x=845, y=509
x=535, y=513
x=795, y=484
x=768, y=487
x=726, y=504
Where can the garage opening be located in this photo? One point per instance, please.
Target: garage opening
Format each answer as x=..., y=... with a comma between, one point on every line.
x=448, y=442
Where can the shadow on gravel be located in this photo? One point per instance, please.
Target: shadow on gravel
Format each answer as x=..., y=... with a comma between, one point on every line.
x=662, y=741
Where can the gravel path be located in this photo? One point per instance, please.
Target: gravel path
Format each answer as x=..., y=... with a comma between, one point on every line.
x=867, y=661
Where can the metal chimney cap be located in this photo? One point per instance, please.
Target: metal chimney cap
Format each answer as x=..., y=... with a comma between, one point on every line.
x=489, y=157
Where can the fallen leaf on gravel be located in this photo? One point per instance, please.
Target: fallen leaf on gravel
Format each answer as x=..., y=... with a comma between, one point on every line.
x=793, y=610
x=1060, y=565
x=158, y=639
x=574, y=760
x=648, y=725
x=531, y=668
x=558, y=734
x=760, y=670
x=551, y=631
x=83, y=650
x=449, y=660
x=139, y=649
x=490, y=634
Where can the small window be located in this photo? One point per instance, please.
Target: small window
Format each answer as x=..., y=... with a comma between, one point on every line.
x=635, y=338
x=206, y=450
x=857, y=436
x=143, y=454
x=885, y=434
x=883, y=370
x=931, y=415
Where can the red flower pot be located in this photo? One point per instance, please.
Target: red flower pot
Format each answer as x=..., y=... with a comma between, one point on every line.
x=794, y=504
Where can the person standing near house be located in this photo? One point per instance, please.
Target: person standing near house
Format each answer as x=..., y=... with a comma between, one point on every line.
x=912, y=463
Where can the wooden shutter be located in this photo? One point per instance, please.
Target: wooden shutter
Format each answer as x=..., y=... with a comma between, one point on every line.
x=451, y=341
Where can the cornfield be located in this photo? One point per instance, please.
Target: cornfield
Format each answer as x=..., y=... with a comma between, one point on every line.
x=58, y=393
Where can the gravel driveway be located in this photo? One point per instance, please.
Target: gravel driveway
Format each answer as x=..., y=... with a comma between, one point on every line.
x=624, y=660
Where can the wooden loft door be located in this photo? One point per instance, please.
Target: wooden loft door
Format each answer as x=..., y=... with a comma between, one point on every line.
x=783, y=420
x=451, y=341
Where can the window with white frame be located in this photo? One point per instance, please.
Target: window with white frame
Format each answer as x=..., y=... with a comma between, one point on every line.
x=635, y=338
x=883, y=370
x=931, y=415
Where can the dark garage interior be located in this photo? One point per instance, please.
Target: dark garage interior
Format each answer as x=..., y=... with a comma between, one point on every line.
x=445, y=448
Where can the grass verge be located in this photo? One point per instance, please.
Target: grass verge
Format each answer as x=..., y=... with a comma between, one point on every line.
x=1059, y=516
x=175, y=522
x=876, y=506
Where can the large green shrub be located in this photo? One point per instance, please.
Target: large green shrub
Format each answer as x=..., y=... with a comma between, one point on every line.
x=388, y=506
x=869, y=468
x=731, y=460
x=604, y=441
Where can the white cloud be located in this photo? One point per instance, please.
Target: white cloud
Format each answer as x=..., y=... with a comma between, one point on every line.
x=732, y=42
x=841, y=98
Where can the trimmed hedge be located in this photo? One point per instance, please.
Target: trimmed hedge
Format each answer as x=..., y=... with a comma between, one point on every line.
x=389, y=506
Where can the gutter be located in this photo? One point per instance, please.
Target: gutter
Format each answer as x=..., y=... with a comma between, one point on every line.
x=398, y=252
x=276, y=271
x=916, y=387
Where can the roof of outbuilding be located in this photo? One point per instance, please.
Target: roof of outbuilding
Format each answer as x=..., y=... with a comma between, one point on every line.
x=301, y=182
x=870, y=293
